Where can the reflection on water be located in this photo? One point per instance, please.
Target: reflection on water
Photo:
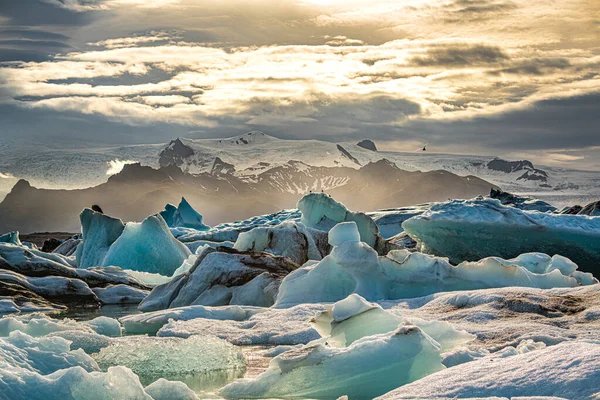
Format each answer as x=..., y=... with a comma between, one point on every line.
x=206, y=382
x=86, y=313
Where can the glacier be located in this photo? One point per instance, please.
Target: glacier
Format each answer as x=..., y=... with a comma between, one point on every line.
x=472, y=229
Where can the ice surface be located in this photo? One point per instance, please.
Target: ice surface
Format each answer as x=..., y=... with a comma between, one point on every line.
x=90, y=342
x=38, y=325
x=105, y=326
x=163, y=389
x=42, y=355
x=367, y=368
x=570, y=370
x=73, y=383
x=473, y=229
x=148, y=246
x=151, y=322
x=353, y=318
x=152, y=358
x=99, y=232
x=271, y=327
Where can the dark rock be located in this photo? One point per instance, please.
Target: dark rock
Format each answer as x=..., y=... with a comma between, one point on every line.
x=367, y=144
x=174, y=154
x=220, y=167
x=346, y=154
x=592, y=209
x=50, y=245
x=573, y=210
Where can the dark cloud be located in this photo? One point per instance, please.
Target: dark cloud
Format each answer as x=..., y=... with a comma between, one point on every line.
x=569, y=123
x=457, y=55
x=535, y=66
x=31, y=13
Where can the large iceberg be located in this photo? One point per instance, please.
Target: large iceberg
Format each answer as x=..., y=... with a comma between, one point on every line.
x=289, y=239
x=354, y=267
x=147, y=246
x=98, y=232
x=473, y=229
x=223, y=277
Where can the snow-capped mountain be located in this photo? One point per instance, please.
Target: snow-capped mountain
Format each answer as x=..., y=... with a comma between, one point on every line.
x=287, y=164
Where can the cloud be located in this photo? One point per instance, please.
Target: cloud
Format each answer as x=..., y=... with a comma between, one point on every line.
x=473, y=73
x=115, y=166
x=6, y=176
x=461, y=55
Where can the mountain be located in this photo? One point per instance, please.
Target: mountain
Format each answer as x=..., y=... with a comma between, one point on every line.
x=247, y=156
x=223, y=194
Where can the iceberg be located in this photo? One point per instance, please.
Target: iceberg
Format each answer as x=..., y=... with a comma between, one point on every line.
x=569, y=370
x=474, y=229
x=354, y=267
x=183, y=216
x=368, y=367
x=289, y=239
x=98, y=232
x=321, y=211
x=148, y=246
x=11, y=237
x=224, y=277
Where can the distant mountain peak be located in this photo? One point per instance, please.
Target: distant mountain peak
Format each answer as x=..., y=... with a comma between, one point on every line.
x=221, y=167
x=367, y=144
x=530, y=173
x=174, y=153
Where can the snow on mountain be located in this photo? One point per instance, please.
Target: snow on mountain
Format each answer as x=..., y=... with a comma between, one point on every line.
x=289, y=164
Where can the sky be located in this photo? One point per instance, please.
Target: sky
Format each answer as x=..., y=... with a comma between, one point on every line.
x=515, y=79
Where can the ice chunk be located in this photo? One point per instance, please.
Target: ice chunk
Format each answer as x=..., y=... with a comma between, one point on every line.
x=98, y=232
x=39, y=325
x=163, y=389
x=168, y=214
x=569, y=370
x=11, y=237
x=151, y=322
x=354, y=318
x=289, y=239
x=367, y=368
x=42, y=355
x=187, y=217
x=473, y=229
x=105, y=326
x=120, y=294
x=148, y=246
x=353, y=267
x=270, y=327
x=73, y=383
x=344, y=232
x=223, y=277
x=87, y=341
x=321, y=211
x=152, y=358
